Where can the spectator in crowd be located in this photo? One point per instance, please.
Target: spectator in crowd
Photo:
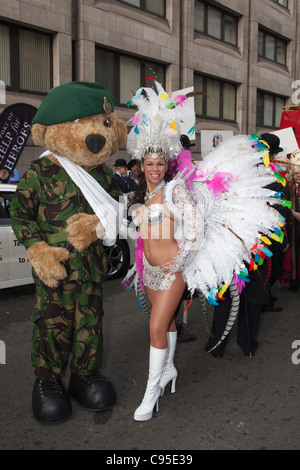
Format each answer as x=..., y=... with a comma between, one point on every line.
x=121, y=175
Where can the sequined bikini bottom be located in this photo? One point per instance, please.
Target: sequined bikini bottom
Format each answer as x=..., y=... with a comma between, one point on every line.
x=155, y=278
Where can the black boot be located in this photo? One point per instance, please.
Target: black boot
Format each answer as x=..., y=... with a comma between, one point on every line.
x=50, y=401
x=94, y=392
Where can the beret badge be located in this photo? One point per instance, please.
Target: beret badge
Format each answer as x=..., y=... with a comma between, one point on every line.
x=107, y=106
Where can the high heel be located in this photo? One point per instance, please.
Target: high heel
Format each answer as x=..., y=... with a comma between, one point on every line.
x=157, y=359
x=166, y=379
x=169, y=373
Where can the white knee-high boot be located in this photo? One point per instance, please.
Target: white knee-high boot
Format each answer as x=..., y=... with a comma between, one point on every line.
x=169, y=373
x=157, y=358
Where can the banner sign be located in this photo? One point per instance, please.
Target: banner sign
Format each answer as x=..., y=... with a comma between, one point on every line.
x=15, y=127
x=211, y=139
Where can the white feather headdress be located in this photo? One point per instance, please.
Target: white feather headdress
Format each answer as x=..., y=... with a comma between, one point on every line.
x=157, y=123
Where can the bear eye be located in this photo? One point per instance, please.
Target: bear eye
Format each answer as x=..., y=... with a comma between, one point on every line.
x=107, y=122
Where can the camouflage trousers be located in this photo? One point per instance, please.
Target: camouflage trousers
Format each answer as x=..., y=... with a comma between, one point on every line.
x=67, y=323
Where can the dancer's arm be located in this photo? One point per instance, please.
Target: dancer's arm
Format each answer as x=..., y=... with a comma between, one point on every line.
x=192, y=227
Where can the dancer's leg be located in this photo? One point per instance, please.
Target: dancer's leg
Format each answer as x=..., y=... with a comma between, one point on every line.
x=162, y=320
x=164, y=304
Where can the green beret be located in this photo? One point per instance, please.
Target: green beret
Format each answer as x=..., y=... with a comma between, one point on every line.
x=74, y=100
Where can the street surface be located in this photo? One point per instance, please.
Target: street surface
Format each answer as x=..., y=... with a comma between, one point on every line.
x=229, y=403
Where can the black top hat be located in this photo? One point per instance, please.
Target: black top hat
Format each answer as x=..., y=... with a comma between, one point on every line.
x=185, y=141
x=120, y=162
x=273, y=141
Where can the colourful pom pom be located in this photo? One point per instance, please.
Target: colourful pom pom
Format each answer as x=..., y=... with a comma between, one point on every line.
x=275, y=237
x=256, y=257
x=243, y=278
x=254, y=246
x=211, y=301
x=223, y=289
x=265, y=143
x=267, y=251
x=266, y=160
x=265, y=240
x=170, y=105
x=286, y=203
x=135, y=120
x=192, y=130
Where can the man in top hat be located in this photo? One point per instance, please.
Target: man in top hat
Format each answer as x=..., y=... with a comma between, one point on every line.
x=120, y=175
x=256, y=296
x=277, y=249
x=273, y=141
x=291, y=266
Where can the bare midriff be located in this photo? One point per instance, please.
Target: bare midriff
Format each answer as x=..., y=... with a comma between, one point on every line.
x=159, y=244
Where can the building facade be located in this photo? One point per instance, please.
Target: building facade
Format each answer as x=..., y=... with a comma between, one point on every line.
x=244, y=54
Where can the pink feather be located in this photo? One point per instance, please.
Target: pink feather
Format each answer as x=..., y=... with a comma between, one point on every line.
x=239, y=283
x=172, y=167
x=135, y=120
x=220, y=183
x=139, y=250
x=184, y=161
x=180, y=99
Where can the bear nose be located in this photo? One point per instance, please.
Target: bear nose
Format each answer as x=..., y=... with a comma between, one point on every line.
x=95, y=142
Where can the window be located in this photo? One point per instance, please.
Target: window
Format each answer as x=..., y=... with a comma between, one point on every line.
x=268, y=110
x=158, y=7
x=25, y=59
x=284, y=3
x=122, y=74
x=215, y=22
x=221, y=100
x=271, y=47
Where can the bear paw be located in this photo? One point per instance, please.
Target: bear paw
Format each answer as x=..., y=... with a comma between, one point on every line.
x=83, y=230
x=46, y=261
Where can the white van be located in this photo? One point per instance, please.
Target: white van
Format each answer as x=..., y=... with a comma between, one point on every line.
x=15, y=268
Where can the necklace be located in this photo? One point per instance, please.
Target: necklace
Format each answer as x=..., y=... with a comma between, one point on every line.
x=149, y=196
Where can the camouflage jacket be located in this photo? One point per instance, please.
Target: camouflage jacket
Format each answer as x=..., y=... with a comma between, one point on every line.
x=45, y=199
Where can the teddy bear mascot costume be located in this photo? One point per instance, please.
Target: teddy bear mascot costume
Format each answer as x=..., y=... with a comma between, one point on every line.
x=64, y=210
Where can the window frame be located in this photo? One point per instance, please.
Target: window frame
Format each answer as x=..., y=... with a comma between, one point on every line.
x=116, y=71
x=284, y=6
x=14, y=30
x=221, y=104
x=277, y=38
x=223, y=14
x=143, y=7
x=260, y=116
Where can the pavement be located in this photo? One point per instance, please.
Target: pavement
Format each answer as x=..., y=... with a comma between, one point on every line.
x=228, y=403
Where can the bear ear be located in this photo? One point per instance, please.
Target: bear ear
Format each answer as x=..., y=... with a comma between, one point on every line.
x=38, y=134
x=122, y=131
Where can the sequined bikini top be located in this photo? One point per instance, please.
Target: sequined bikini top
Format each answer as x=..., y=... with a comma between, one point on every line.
x=154, y=214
